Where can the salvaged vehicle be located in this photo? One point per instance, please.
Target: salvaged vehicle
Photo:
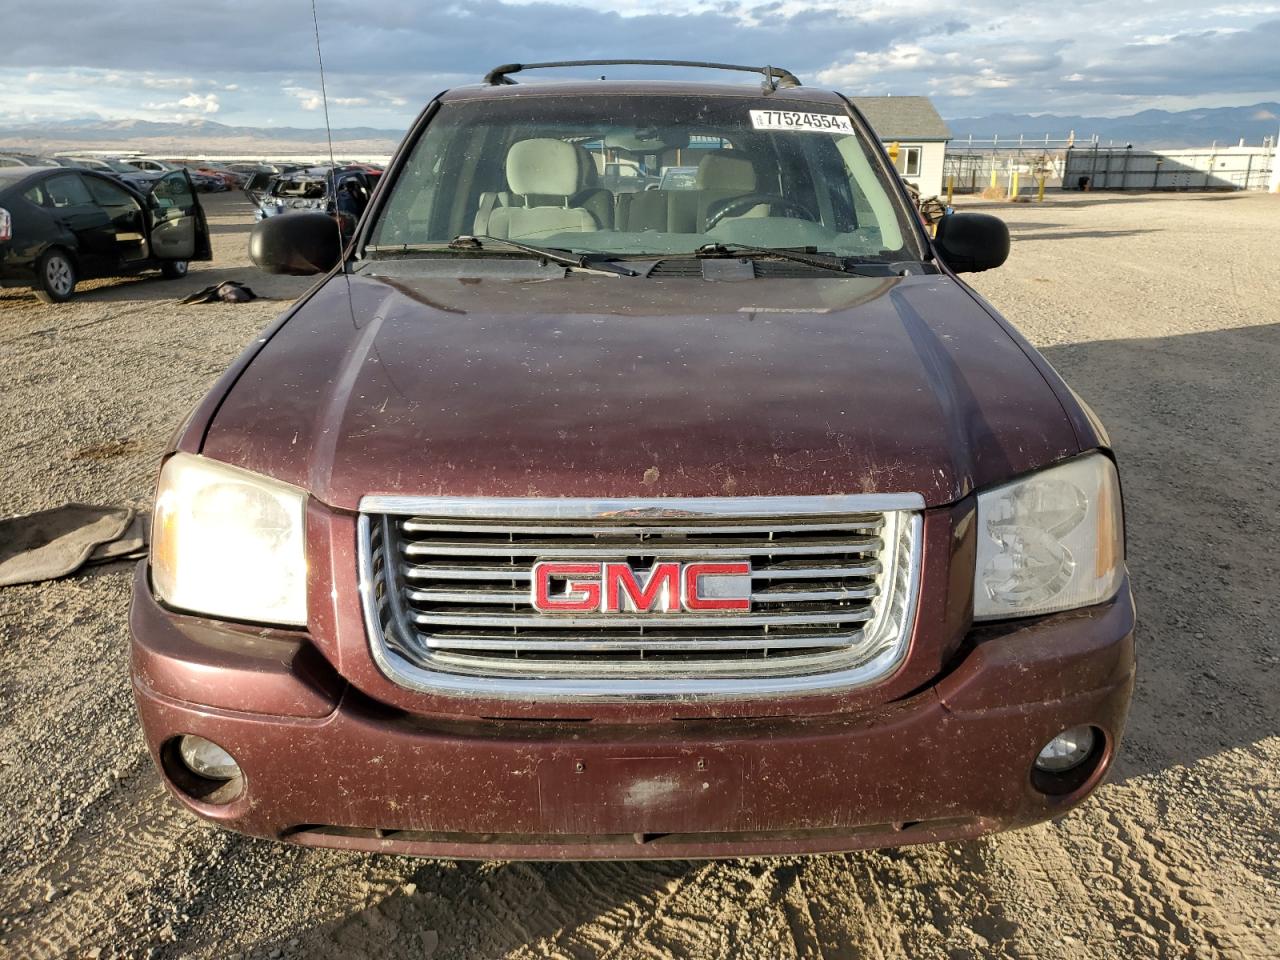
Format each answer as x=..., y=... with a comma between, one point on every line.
x=203, y=182
x=342, y=192
x=60, y=225
x=707, y=521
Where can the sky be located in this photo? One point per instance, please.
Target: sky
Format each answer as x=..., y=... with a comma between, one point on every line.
x=254, y=63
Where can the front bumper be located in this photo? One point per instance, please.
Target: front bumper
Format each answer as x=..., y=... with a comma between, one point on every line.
x=325, y=765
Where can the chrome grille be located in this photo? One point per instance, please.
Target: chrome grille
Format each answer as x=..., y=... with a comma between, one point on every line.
x=447, y=589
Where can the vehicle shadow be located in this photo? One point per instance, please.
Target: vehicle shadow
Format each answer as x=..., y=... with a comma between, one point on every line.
x=1021, y=235
x=152, y=287
x=1196, y=434
x=1076, y=198
x=1018, y=226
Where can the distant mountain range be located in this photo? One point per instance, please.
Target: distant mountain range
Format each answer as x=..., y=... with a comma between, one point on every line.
x=62, y=134
x=1149, y=128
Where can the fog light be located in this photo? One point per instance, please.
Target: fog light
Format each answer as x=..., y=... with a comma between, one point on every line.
x=1067, y=750
x=206, y=759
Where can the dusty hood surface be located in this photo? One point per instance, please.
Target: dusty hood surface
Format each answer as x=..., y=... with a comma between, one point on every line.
x=601, y=387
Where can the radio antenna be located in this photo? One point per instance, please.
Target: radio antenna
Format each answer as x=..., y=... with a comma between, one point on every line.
x=324, y=94
x=333, y=164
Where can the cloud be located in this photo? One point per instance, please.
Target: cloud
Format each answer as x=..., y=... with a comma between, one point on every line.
x=201, y=104
x=162, y=83
x=191, y=106
x=385, y=63
x=307, y=99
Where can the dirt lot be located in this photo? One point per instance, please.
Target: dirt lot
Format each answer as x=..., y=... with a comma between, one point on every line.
x=1162, y=312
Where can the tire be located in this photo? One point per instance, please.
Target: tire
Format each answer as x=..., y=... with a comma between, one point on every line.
x=55, y=276
x=174, y=269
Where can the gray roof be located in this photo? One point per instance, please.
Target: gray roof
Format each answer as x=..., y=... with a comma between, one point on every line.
x=903, y=118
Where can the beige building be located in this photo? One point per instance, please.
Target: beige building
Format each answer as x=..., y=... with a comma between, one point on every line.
x=920, y=132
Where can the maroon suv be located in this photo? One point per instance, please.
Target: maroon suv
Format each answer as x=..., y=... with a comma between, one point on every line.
x=710, y=517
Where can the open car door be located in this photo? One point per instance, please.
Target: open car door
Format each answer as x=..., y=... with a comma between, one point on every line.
x=179, y=230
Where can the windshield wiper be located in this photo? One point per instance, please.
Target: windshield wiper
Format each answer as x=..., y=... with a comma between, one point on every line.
x=812, y=259
x=563, y=257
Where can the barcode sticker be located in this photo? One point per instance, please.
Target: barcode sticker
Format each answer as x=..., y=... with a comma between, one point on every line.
x=801, y=122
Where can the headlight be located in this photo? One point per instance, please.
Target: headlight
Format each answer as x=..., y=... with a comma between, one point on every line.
x=229, y=543
x=1052, y=541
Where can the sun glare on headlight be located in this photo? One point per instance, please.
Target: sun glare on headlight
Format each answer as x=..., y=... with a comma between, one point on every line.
x=229, y=543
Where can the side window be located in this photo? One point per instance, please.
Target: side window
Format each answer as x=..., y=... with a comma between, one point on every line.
x=172, y=191
x=909, y=161
x=68, y=190
x=108, y=194
x=38, y=195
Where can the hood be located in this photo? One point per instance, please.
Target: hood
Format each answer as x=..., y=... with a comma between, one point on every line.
x=601, y=387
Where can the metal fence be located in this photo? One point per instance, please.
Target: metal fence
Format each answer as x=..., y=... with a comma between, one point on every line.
x=972, y=165
x=1123, y=168
x=1019, y=164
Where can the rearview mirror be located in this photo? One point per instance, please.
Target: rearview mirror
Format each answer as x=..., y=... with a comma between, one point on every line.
x=299, y=244
x=972, y=242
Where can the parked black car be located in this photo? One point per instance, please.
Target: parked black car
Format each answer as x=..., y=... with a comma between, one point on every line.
x=59, y=225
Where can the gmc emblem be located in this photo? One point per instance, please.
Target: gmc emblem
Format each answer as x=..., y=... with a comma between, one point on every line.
x=670, y=587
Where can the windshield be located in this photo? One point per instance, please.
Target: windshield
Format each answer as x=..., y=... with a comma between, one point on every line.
x=636, y=175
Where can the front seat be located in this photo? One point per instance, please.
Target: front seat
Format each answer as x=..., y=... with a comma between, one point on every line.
x=542, y=175
x=592, y=197
x=722, y=175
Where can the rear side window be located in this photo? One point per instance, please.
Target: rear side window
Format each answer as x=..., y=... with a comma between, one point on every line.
x=67, y=190
x=109, y=195
x=172, y=191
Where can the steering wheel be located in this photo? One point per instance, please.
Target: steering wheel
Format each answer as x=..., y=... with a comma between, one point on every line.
x=731, y=205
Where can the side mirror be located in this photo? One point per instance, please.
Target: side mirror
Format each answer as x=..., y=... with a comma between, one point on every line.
x=972, y=242
x=299, y=244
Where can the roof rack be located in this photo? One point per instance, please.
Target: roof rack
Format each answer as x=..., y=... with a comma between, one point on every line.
x=774, y=77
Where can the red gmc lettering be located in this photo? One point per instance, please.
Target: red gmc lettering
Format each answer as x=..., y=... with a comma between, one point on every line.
x=583, y=595
x=695, y=573
x=668, y=587
x=620, y=578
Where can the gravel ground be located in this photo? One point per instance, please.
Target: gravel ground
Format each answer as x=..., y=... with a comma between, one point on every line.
x=1161, y=311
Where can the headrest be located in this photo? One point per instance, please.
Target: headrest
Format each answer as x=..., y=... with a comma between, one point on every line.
x=724, y=171
x=543, y=166
x=589, y=167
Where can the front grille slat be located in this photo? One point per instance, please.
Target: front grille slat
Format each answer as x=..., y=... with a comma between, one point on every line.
x=578, y=643
x=521, y=597
x=426, y=572
x=807, y=596
x=809, y=572
x=832, y=592
x=505, y=528
x=468, y=596
x=640, y=621
x=645, y=548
